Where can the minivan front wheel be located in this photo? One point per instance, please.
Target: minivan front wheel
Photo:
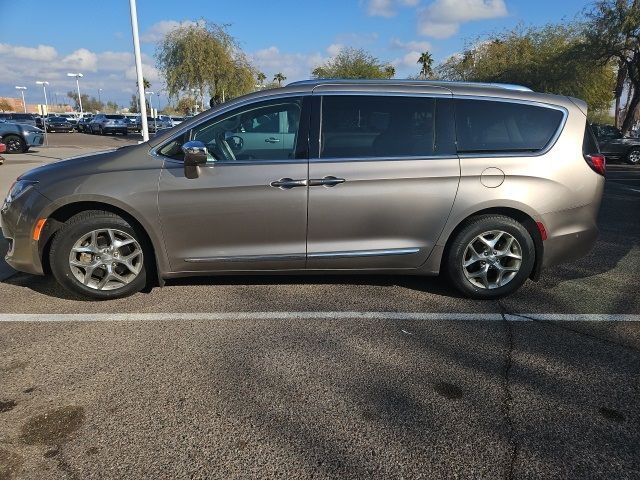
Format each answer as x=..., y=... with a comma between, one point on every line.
x=491, y=257
x=633, y=157
x=98, y=254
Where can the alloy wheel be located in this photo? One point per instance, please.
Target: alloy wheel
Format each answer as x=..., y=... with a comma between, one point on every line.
x=106, y=259
x=492, y=259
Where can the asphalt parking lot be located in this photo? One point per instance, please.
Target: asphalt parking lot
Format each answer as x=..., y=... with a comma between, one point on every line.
x=328, y=377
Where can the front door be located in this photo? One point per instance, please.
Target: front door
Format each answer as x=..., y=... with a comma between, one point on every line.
x=247, y=210
x=384, y=182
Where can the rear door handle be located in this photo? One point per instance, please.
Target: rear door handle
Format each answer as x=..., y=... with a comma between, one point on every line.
x=329, y=181
x=272, y=140
x=286, y=183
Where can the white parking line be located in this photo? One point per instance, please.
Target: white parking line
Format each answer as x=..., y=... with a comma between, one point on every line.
x=218, y=316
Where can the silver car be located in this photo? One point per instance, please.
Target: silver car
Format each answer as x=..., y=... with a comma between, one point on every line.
x=489, y=184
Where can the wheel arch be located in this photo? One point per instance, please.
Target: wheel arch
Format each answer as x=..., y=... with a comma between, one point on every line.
x=520, y=216
x=62, y=213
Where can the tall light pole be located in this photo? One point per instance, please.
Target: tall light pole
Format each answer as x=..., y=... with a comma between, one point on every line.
x=136, y=51
x=78, y=77
x=22, y=89
x=99, y=99
x=46, y=104
x=155, y=122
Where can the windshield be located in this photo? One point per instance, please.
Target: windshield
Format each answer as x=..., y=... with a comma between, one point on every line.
x=115, y=117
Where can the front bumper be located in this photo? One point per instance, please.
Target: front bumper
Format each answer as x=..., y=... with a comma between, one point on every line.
x=17, y=221
x=34, y=139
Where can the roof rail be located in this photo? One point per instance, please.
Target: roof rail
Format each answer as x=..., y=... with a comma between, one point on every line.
x=438, y=83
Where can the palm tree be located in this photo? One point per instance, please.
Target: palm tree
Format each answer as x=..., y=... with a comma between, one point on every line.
x=279, y=77
x=261, y=78
x=145, y=83
x=426, y=60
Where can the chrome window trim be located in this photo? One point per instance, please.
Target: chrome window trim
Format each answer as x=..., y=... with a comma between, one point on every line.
x=155, y=151
x=373, y=93
x=383, y=159
x=512, y=153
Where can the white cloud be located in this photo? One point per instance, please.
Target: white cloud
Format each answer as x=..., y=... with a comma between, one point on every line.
x=408, y=61
x=442, y=18
x=158, y=30
x=334, y=49
x=412, y=45
x=112, y=71
x=81, y=59
x=294, y=66
x=387, y=8
x=40, y=53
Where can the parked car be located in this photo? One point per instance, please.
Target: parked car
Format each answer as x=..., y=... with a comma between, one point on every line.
x=83, y=124
x=390, y=181
x=133, y=123
x=104, y=123
x=615, y=146
x=158, y=123
x=71, y=117
x=59, y=124
x=27, y=118
x=176, y=121
x=19, y=137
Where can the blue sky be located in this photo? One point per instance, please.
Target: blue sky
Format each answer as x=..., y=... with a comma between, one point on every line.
x=94, y=37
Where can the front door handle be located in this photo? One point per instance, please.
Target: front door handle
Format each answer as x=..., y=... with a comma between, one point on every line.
x=329, y=181
x=272, y=140
x=286, y=183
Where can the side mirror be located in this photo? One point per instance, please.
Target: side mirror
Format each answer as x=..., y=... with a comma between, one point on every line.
x=195, y=155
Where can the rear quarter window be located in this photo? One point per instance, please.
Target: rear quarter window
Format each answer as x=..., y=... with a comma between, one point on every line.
x=485, y=126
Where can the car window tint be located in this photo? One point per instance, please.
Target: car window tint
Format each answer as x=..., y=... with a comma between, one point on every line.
x=356, y=126
x=260, y=131
x=484, y=126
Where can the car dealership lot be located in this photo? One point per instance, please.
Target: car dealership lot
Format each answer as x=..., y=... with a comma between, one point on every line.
x=349, y=377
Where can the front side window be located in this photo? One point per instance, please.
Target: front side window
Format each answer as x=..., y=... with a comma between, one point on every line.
x=357, y=126
x=261, y=131
x=485, y=126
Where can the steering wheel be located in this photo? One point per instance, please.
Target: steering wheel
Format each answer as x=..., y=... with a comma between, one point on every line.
x=224, y=147
x=236, y=142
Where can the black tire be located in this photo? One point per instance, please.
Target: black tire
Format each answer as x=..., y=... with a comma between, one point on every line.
x=476, y=226
x=82, y=224
x=633, y=156
x=14, y=143
x=101, y=131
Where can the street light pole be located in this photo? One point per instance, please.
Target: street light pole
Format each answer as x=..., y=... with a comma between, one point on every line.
x=46, y=104
x=22, y=89
x=99, y=99
x=78, y=76
x=136, y=51
x=155, y=121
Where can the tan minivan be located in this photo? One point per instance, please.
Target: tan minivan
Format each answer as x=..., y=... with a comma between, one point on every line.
x=487, y=183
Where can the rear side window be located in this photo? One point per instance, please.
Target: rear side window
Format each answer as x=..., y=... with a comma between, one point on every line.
x=367, y=126
x=589, y=144
x=485, y=126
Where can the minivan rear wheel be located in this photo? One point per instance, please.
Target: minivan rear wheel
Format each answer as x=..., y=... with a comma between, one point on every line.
x=97, y=254
x=490, y=257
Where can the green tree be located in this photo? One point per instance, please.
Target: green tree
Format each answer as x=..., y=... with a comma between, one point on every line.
x=111, y=107
x=279, y=77
x=549, y=59
x=134, y=105
x=204, y=56
x=353, y=63
x=612, y=31
x=390, y=71
x=186, y=105
x=89, y=104
x=145, y=83
x=261, y=78
x=426, y=62
x=5, y=106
